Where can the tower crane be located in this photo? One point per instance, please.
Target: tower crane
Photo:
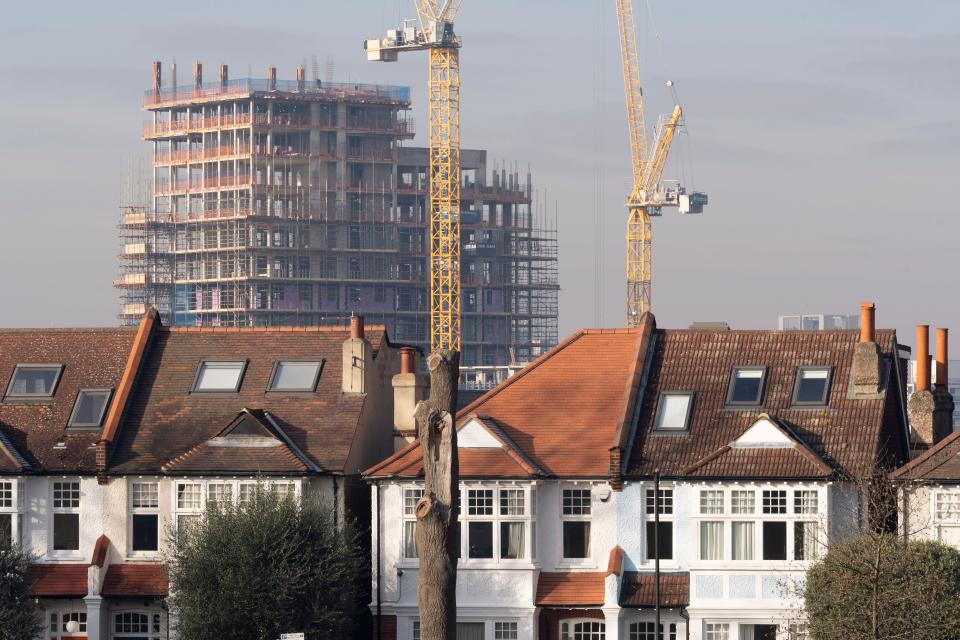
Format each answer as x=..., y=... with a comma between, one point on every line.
x=435, y=34
x=647, y=196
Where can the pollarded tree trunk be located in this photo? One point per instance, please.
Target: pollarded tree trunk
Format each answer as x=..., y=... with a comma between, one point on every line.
x=437, y=509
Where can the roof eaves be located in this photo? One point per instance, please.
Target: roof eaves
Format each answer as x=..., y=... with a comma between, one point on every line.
x=906, y=469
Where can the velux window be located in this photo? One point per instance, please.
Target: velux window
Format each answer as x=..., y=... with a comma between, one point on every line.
x=812, y=386
x=673, y=413
x=89, y=408
x=295, y=376
x=746, y=385
x=31, y=381
x=219, y=376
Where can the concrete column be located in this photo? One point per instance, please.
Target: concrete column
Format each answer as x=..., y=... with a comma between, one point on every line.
x=98, y=627
x=613, y=618
x=342, y=178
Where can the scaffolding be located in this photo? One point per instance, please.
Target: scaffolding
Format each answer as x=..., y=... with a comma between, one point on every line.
x=296, y=203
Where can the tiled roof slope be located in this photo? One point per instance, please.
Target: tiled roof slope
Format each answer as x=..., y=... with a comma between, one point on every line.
x=570, y=589
x=92, y=358
x=638, y=590
x=759, y=463
x=940, y=463
x=849, y=434
x=165, y=420
x=136, y=579
x=562, y=411
x=58, y=580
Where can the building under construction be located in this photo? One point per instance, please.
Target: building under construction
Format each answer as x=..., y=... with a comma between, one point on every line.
x=296, y=203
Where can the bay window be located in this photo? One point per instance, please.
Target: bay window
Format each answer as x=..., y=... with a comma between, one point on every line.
x=647, y=631
x=494, y=525
x=775, y=540
x=583, y=630
x=59, y=619
x=711, y=540
x=742, y=538
x=134, y=625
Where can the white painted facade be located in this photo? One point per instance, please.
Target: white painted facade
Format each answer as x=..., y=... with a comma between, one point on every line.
x=745, y=545
x=108, y=509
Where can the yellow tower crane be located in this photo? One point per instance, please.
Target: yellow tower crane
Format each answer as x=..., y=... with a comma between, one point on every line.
x=647, y=196
x=435, y=33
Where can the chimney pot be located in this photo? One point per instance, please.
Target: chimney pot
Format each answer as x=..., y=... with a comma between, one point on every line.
x=942, y=373
x=356, y=327
x=407, y=360
x=923, y=357
x=867, y=322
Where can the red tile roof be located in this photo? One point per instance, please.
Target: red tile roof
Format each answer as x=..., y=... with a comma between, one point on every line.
x=562, y=413
x=637, y=590
x=941, y=462
x=849, y=433
x=92, y=358
x=166, y=421
x=142, y=580
x=570, y=589
x=58, y=580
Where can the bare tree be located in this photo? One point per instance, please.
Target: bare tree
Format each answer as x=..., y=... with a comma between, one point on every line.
x=437, y=509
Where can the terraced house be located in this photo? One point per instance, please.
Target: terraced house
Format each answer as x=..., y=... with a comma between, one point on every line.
x=752, y=437
x=111, y=439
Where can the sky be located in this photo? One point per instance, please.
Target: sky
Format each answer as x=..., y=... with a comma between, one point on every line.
x=826, y=134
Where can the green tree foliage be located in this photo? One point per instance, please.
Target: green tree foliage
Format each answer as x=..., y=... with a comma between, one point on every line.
x=877, y=587
x=19, y=616
x=269, y=566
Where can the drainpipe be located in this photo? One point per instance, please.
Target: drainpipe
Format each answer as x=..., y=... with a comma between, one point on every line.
x=656, y=547
x=379, y=567
x=686, y=618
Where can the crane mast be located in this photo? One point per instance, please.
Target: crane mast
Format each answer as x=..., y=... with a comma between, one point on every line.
x=646, y=197
x=435, y=34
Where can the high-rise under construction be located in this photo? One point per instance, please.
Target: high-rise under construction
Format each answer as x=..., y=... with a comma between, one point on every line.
x=296, y=203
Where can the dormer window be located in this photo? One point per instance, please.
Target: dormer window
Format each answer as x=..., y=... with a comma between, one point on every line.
x=217, y=376
x=673, y=413
x=812, y=386
x=89, y=408
x=295, y=376
x=746, y=386
x=33, y=381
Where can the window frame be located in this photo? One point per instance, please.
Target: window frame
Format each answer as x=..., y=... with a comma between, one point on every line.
x=61, y=510
x=568, y=627
x=244, y=363
x=665, y=503
x=71, y=422
x=141, y=510
x=9, y=396
x=824, y=400
x=14, y=509
x=154, y=624
x=667, y=631
x=577, y=517
x=285, y=390
x=739, y=404
x=691, y=398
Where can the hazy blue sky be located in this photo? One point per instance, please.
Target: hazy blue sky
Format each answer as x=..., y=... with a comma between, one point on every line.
x=826, y=134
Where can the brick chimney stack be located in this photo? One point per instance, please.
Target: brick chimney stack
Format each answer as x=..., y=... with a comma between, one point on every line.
x=408, y=390
x=866, y=355
x=357, y=361
x=930, y=411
